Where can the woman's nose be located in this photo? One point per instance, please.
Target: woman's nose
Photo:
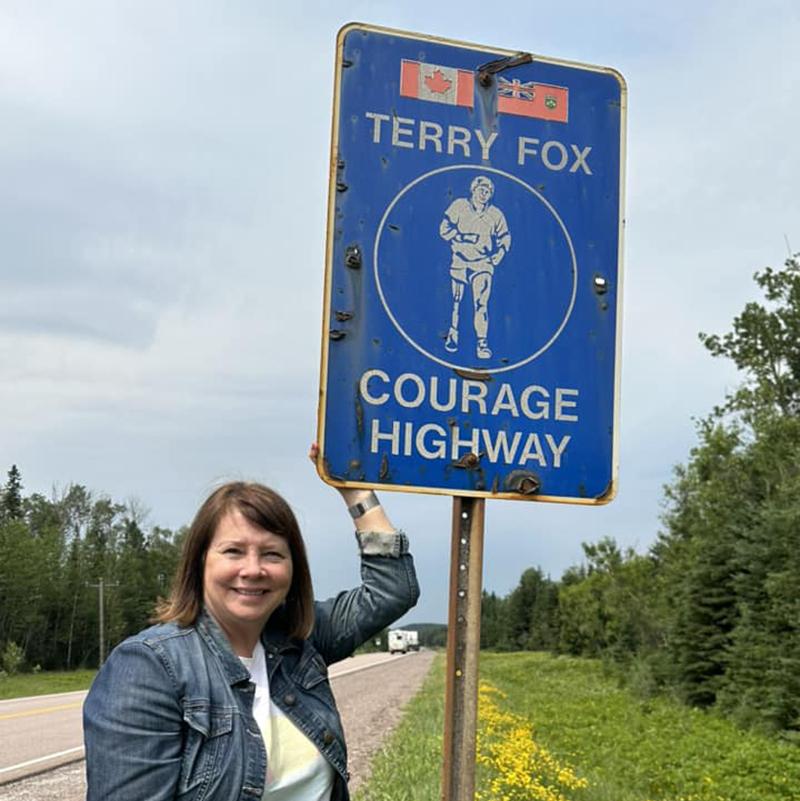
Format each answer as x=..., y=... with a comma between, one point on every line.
x=251, y=565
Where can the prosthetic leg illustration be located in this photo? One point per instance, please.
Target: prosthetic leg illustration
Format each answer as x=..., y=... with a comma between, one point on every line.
x=479, y=239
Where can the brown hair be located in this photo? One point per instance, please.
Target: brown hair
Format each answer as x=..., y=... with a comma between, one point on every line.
x=264, y=508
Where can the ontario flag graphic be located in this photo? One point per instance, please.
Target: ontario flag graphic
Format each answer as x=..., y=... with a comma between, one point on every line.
x=437, y=84
x=529, y=99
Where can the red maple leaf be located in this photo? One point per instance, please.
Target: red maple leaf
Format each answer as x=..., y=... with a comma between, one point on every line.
x=437, y=83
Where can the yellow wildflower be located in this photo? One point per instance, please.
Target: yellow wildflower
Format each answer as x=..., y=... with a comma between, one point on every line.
x=517, y=768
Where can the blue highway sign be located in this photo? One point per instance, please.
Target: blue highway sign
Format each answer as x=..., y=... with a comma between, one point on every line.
x=473, y=276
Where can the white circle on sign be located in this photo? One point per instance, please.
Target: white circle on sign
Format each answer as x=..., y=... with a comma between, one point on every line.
x=538, y=304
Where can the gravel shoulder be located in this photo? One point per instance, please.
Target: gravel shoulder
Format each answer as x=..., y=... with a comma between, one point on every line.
x=370, y=701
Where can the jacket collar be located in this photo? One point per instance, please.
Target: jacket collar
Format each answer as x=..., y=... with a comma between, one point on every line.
x=276, y=641
x=218, y=644
x=273, y=639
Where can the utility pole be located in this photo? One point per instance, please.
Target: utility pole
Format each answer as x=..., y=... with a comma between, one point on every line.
x=101, y=584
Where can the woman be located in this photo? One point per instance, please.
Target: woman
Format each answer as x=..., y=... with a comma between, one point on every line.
x=228, y=697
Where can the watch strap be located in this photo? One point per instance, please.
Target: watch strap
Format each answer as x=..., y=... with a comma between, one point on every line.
x=362, y=507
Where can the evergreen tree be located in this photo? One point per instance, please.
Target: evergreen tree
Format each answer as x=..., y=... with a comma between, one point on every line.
x=494, y=622
x=11, y=496
x=709, y=518
x=532, y=610
x=762, y=684
x=732, y=524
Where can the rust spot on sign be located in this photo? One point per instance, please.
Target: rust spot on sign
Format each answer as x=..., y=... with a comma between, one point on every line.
x=352, y=257
x=359, y=416
x=473, y=375
x=469, y=461
x=523, y=481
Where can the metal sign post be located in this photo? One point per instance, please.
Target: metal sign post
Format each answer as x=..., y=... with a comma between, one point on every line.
x=463, y=646
x=472, y=296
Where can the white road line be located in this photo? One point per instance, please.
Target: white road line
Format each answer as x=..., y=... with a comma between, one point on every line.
x=37, y=697
x=80, y=747
x=41, y=759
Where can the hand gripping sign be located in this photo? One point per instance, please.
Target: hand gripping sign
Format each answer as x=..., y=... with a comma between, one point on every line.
x=472, y=293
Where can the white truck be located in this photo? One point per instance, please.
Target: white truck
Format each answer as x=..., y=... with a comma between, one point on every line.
x=402, y=641
x=398, y=642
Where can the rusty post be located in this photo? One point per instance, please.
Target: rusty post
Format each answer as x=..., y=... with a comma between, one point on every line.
x=463, y=645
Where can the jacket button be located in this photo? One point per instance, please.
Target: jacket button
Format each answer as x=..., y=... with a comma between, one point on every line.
x=327, y=737
x=289, y=700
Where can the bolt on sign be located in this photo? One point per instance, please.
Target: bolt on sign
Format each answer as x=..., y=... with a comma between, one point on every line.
x=473, y=271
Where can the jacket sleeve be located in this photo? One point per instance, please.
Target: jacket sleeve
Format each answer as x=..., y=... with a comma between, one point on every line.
x=388, y=590
x=132, y=728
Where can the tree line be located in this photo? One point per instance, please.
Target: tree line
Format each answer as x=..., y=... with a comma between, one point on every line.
x=711, y=613
x=54, y=552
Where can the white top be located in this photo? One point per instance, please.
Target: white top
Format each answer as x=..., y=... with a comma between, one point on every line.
x=296, y=769
x=489, y=224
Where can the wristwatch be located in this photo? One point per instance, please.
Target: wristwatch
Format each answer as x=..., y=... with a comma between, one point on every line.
x=360, y=508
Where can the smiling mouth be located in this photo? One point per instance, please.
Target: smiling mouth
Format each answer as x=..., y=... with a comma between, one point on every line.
x=251, y=593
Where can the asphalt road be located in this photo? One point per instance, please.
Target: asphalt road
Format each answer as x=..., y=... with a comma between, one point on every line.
x=41, y=733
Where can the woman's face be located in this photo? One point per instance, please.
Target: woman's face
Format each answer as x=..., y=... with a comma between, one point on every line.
x=247, y=575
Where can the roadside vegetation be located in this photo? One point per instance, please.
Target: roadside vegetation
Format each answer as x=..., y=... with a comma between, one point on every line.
x=45, y=683
x=54, y=554
x=558, y=728
x=711, y=613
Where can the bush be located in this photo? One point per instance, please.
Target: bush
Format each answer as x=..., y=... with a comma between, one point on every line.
x=12, y=658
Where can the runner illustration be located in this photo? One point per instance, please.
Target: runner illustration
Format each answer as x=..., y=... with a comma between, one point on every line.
x=479, y=239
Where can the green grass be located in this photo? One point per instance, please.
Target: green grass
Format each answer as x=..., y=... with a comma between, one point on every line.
x=24, y=684
x=627, y=749
x=408, y=767
x=632, y=750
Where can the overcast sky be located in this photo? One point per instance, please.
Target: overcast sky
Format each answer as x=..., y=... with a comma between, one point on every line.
x=163, y=191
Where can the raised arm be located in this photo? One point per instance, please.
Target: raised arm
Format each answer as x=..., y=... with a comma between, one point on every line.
x=388, y=586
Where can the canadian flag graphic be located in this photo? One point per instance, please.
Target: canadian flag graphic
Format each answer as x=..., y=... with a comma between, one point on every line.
x=435, y=83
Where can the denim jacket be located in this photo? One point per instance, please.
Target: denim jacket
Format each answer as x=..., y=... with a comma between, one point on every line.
x=169, y=716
